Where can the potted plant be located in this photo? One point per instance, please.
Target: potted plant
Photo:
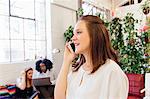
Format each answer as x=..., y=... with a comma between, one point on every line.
x=68, y=33
x=146, y=7
x=131, y=46
x=80, y=12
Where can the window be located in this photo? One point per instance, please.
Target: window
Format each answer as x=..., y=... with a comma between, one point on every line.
x=90, y=9
x=22, y=8
x=22, y=30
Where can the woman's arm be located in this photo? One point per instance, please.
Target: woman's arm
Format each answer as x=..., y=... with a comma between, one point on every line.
x=61, y=83
x=21, y=83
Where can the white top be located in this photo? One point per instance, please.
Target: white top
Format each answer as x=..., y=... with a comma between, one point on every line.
x=48, y=73
x=108, y=82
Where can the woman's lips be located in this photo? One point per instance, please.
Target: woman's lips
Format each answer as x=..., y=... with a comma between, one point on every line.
x=76, y=44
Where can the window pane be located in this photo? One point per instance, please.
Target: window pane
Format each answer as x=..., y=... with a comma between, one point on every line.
x=40, y=49
x=16, y=28
x=40, y=11
x=4, y=7
x=94, y=11
x=22, y=8
x=40, y=20
x=4, y=27
x=17, y=51
x=29, y=29
x=24, y=37
x=4, y=51
x=40, y=30
x=29, y=50
x=40, y=1
x=87, y=9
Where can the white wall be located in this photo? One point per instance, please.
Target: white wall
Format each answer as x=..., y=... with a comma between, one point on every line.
x=101, y=3
x=135, y=9
x=72, y=4
x=9, y=72
x=61, y=19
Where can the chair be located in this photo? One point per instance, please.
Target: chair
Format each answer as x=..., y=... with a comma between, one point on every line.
x=34, y=94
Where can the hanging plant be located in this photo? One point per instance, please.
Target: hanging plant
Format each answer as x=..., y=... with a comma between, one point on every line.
x=115, y=28
x=68, y=33
x=146, y=7
x=80, y=12
x=133, y=57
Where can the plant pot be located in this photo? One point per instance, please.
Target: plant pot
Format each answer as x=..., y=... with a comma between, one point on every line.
x=136, y=84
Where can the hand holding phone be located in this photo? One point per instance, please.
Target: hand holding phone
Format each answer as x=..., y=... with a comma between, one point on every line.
x=69, y=53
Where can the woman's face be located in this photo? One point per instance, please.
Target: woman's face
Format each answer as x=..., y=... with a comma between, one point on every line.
x=81, y=38
x=42, y=67
x=29, y=74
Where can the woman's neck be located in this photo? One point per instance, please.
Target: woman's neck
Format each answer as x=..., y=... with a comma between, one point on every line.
x=44, y=71
x=29, y=83
x=87, y=66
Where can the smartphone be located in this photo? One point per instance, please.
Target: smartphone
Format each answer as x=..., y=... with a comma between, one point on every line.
x=72, y=46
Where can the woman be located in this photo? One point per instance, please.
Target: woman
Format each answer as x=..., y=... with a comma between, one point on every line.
x=45, y=69
x=97, y=74
x=25, y=88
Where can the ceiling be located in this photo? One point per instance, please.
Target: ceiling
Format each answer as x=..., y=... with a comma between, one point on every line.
x=106, y=3
x=111, y=4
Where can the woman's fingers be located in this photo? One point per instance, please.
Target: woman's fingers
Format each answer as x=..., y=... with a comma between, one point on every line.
x=69, y=47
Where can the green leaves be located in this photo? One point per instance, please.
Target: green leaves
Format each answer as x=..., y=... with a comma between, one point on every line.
x=130, y=45
x=68, y=33
x=80, y=11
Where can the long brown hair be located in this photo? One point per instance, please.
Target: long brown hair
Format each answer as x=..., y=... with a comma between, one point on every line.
x=100, y=45
x=26, y=71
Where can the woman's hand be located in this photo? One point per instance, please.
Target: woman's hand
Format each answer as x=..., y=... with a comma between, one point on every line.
x=21, y=81
x=23, y=74
x=69, y=54
x=61, y=83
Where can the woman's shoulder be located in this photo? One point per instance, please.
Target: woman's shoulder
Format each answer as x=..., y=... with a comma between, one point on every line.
x=109, y=66
x=112, y=64
x=114, y=69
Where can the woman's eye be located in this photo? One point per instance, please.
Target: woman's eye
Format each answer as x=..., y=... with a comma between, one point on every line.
x=78, y=32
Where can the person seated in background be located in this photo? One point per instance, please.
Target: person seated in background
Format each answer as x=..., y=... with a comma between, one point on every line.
x=45, y=69
x=25, y=88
